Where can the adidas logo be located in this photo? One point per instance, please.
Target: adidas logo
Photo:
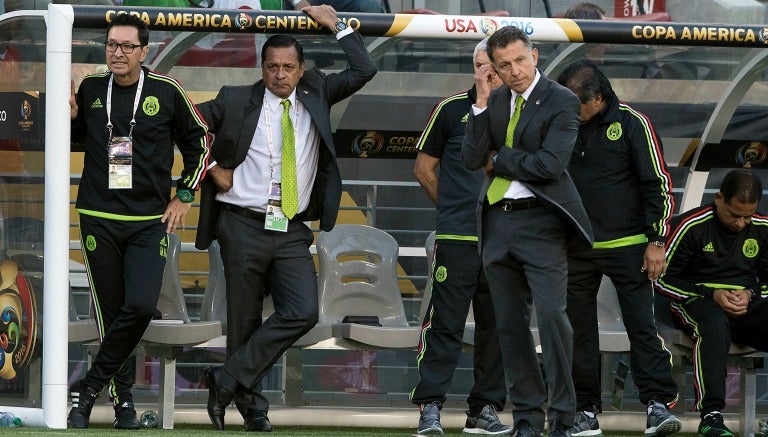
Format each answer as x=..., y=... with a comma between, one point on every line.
x=709, y=247
x=97, y=103
x=75, y=398
x=465, y=118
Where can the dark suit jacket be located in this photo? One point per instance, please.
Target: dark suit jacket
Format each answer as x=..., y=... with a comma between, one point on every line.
x=544, y=138
x=233, y=115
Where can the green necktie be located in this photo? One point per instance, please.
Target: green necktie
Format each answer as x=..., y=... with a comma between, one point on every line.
x=500, y=185
x=289, y=186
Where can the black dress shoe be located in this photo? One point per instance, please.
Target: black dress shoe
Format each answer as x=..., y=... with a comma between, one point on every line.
x=257, y=421
x=218, y=397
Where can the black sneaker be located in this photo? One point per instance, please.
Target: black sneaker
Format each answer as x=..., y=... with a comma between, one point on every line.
x=125, y=416
x=712, y=426
x=660, y=421
x=585, y=425
x=487, y=422
x=559, y=429
x=429, y=420
x=523, y=428
x=83, y=399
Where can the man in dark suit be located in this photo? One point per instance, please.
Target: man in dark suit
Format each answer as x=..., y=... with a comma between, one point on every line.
x=522, y=134
x=247, y=205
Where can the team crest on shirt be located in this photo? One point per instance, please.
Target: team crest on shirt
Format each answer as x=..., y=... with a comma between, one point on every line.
x=151, y=105
x=750, y=248
x=614, y=131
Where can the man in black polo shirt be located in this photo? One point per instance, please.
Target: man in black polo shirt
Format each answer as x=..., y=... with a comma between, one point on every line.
x=457, y=275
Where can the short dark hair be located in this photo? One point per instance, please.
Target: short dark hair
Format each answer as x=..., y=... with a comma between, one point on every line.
x=742, y=184
x=504, y=37
x=134, y=21
x=585, y=80
x=282, y=41
x=585, y=11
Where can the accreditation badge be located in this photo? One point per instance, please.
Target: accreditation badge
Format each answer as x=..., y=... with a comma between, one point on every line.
x=120, y=160
x=275, y=219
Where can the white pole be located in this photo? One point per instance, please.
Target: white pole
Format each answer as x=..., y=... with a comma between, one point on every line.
x=58, y=75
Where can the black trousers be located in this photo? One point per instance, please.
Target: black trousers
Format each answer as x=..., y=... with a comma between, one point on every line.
x=257, y=260
x=125, y=263
x=650, y=362
x=457, y=281
x=712, y=331
x=525, y=261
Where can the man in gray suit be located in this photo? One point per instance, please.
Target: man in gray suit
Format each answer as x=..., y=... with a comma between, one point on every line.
x=522, y=134
x=247, y=205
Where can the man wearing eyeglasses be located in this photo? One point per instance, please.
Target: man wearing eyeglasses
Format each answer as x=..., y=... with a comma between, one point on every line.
x=129, y=119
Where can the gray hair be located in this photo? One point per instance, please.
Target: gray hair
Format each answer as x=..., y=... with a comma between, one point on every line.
x=481, y=46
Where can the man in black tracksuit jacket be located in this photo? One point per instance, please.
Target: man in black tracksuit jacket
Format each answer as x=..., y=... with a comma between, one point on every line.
x=125, y=204
x=619, y=171
x=717, y=278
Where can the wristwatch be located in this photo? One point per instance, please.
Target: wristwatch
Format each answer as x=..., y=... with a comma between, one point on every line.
x=657, y=243
x=340, y=25
x=185, y=195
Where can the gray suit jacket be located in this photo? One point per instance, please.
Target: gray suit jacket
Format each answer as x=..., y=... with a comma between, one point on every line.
x=544, y=138
x=233, y=115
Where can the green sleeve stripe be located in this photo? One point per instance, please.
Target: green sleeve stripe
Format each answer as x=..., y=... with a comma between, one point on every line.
x=715, y=286
x=199, y=170
x=665, y=181
x=433, y=117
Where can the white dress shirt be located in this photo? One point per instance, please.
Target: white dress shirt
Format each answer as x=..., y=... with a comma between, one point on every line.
x=253, y=178
x=516, y=189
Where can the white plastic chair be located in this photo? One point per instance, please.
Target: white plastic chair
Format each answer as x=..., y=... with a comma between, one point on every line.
x=358, y=278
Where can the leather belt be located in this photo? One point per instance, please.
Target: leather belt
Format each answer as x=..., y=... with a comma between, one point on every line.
x=518, y=204
x=255, y=215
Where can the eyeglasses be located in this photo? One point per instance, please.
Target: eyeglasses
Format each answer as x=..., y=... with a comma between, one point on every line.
x=127, y=48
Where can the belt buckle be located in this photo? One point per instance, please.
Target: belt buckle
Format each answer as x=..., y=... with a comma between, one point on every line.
x=506, y=206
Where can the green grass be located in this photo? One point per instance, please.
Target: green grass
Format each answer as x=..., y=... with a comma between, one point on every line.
x=207, y=431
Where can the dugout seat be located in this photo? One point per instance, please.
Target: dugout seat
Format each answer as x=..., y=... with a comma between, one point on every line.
x=359, y=293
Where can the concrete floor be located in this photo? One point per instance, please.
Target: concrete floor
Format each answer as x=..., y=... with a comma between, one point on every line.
x=345, y=416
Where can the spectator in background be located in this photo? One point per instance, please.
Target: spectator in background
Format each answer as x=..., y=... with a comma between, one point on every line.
x=458, y=278
x=585, y=11
x=717, y=278
x=340, y=5
x=619, y=171
x=275, y=169
x=589, y=11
